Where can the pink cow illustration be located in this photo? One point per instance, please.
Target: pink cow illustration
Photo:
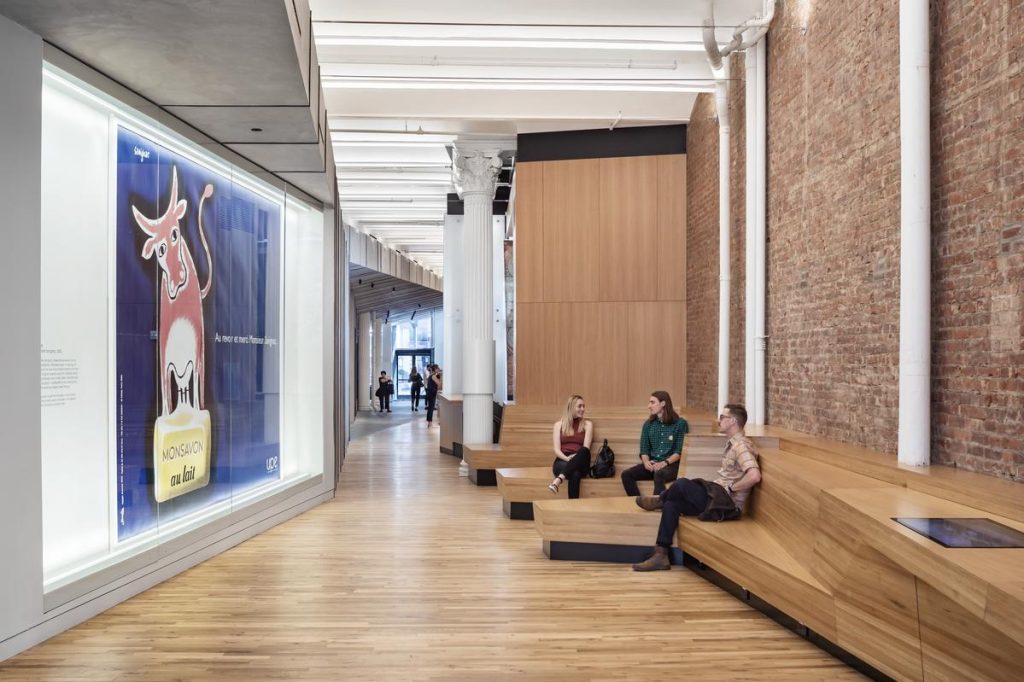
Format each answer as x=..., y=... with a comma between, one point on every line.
x=182, y=347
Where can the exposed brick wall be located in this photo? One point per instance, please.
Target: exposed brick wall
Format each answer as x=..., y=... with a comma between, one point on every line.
x=702, y=255
x=833, y=220
x=702, y=136
x=834, y=229
x=978, y=235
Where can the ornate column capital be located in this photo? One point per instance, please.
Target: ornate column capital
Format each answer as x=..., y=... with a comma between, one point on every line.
x=476, y=173
x=477, y=164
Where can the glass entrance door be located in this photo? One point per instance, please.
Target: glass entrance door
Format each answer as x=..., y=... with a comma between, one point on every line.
x=405, y=360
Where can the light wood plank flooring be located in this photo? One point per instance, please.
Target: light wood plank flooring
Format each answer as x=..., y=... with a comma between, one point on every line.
x=412, y=573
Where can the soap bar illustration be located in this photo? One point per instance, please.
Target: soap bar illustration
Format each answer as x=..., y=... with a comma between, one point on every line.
x=182, y=433
x=181, y=452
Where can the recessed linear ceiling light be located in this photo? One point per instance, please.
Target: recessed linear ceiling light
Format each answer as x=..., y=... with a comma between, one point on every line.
x=391, y=166
x=362, y=195
x=343, y=180
x=396, y=198
x=410, y=136
x=550, y=43
x=397, y=83
x=334, y=63
x=406, y=144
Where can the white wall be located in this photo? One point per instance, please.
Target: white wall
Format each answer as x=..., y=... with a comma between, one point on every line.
x=21, y=532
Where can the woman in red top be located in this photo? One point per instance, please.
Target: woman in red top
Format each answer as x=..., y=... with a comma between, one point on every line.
x=571, y=436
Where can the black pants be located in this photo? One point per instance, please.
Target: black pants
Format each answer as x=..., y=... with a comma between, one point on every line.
x=638, y=473
x=385, y=402
x=415, y=397
x=683, y=498
x=573, y=470
x=431, y=406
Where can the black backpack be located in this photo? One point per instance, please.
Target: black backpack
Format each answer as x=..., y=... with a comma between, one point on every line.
x=604, y=467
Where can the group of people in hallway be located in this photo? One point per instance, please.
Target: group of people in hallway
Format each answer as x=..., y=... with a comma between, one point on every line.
x=661, y=450
x=429, y=387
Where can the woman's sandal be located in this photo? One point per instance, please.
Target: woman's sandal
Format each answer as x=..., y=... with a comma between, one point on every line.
x=555, y=484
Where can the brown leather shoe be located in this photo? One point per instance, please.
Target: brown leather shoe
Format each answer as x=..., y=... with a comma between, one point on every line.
x=656, y=562
x=649, y=502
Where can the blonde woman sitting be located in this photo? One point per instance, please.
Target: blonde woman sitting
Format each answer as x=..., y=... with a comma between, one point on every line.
x=571, y=436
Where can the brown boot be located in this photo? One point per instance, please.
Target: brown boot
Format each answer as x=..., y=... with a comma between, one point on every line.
x=649, y=502
x=657, y=561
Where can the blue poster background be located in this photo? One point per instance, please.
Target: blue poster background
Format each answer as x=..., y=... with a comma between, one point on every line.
x=243, y=230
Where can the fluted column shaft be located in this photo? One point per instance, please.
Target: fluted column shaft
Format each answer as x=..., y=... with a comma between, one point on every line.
x=453, y=291
x=477, y=172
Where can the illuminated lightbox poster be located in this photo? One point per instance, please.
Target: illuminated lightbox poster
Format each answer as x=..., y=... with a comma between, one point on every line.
x=198, y=329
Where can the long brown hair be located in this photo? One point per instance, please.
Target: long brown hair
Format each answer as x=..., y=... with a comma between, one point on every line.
x=567, y=416
x=670, y=412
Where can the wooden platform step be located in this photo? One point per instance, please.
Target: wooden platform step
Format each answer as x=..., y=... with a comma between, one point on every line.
x=521, y=487
x=702, y=454
x=610, y=529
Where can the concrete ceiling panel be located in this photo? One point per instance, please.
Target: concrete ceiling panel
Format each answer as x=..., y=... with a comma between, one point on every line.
x=235, y=124
x=176, y=52
x=283, y=158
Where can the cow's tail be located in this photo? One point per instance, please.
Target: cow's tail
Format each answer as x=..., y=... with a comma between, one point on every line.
x=207, y=193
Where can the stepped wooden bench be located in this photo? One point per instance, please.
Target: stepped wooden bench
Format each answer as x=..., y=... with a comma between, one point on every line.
x=531, y=447
x=521, y=486
x=819, y=544
x=997, y=495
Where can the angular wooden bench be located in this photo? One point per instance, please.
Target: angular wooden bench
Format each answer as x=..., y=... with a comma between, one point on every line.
x=819, y=544
x=521, y=486
x=526, y=437
x=484, y=460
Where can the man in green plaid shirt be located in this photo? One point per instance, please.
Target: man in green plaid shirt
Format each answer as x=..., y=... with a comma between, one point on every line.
x=661, y=446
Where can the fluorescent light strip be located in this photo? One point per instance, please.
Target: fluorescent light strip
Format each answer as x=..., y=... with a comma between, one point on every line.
x=499, y=62
x=529, y=43
x=390, y=136
x=346, y=83
x=396, y=198
x=391, y=144
x=392, y=181
x=391, y=166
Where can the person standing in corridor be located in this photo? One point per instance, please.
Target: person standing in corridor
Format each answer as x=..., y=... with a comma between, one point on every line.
x=416, y=381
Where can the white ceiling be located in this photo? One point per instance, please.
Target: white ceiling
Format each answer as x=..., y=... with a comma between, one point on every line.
x=403, y=79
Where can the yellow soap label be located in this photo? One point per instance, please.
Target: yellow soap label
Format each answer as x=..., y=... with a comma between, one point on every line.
x=181, y=452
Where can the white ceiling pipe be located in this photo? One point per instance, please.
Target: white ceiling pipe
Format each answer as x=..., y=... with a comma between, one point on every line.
x=760, y=193
x=724, y=218
x=717, y=57
x=750, y=96
x=914, y=433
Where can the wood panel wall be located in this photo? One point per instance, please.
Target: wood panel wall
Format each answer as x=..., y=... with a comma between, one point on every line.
x=601, y=279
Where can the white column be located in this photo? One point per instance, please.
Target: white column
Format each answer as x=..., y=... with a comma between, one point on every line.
x=915, y=236
x=378, y=349
x=477, y=168
x=451, y=361
x=363, y=392
x=388, y=351
x=750, y=326
x=760, y=233
x=499, y=313
x=722, y=105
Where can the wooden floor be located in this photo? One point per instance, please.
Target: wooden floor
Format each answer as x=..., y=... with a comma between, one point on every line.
x=413, y=573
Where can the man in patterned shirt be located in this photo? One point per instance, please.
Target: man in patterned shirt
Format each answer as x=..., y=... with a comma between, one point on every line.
x=661, y=446
x=738, y=475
